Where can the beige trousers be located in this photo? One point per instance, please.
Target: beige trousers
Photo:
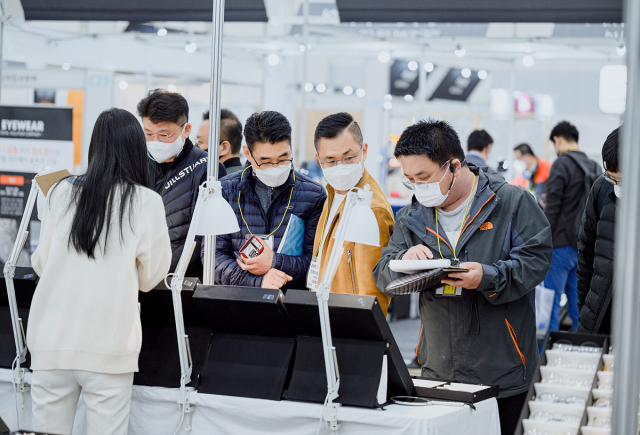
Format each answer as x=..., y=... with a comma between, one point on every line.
x=55, y=394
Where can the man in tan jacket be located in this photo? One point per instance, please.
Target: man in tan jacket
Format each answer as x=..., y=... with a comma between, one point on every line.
x=341, y=152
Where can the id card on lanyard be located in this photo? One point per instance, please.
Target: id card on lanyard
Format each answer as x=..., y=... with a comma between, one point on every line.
x=313, y=276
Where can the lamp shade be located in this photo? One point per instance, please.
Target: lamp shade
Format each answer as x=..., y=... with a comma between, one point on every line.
x=215, y=215
x=363, y=225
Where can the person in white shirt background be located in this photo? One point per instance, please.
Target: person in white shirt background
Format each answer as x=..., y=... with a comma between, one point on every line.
x=104, y=237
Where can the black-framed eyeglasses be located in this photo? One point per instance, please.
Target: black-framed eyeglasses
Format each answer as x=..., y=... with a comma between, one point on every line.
x=163, y=137
x=269, y=164
x=610, y=179
x=349, y=160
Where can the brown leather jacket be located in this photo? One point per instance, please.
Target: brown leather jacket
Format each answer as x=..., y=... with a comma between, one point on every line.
x=355, y=272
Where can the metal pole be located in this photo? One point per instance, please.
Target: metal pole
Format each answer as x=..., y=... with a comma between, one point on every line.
x=214, y=126
x=147, y=77
x=2, y=19
x=302, y=142
x=626, y=301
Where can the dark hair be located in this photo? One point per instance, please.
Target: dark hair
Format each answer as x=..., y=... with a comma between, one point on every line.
x=610, y=151
x=205, y=115
x=161, y=105
x=566, y=130
x=117, y=162
x=435, y=139
x=231, y=130
x=334, y=125
x=478, y=140
x=524, y=149
x=268, y=126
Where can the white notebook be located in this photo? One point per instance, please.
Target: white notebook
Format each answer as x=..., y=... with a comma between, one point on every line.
x=413, y=266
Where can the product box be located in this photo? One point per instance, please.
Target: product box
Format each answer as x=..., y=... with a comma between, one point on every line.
x=453, y=391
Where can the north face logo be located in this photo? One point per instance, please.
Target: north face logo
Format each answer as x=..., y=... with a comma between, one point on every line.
x=486, y=226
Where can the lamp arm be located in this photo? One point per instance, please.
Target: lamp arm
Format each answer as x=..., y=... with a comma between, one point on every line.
x=10, y=269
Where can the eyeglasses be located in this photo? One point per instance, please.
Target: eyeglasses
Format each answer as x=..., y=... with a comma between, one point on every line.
x=602, y=403
x=608, y=177
x=583, y=348
x=600, y=421
x=349, y=160
x=577, y=381
x=607, y=385
x=269, y=164
x=422, y=184
x=163, y=137
x=548, y=416
x=562, y=362
x=545, y=432
x=554, y=398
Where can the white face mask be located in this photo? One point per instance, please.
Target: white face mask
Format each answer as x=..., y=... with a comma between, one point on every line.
x=519, y=166
x=429, y=194
x=161, y=151
x=618, y=191
x=344, y=177
x=273, y=177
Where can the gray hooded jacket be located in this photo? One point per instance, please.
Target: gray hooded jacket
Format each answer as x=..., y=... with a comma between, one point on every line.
x=488, y=335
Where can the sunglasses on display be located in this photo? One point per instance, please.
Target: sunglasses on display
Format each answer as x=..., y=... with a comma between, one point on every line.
x=602, y=403
x=545, y=432
x=548, y=416
x=583, y=348
x=600, y=421
x=554, y=398
x=565, y=363
x=577, y=381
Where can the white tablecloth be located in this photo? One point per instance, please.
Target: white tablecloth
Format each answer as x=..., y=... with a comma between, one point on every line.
x=154, y=412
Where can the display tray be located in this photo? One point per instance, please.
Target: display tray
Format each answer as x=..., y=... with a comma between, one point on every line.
x=567, y=338
x=445, y=389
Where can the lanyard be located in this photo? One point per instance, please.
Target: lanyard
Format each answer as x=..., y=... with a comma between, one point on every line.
x=285, y=210
x=464, y=218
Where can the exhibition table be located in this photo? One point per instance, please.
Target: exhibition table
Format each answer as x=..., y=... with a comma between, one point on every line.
x=154, y=411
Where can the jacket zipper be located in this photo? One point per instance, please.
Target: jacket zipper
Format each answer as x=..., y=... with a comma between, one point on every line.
x=353, y=281
x=514, y=338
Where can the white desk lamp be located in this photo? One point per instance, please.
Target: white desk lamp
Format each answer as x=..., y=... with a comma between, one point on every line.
x=212, y=216
x=358, y=224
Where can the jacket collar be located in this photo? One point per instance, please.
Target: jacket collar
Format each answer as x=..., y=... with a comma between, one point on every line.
x=232, y=162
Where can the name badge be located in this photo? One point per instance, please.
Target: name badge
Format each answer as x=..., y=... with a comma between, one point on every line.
x=449, y=290
x=313, y=276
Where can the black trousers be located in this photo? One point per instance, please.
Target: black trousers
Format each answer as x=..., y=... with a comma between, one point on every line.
x=509, y=409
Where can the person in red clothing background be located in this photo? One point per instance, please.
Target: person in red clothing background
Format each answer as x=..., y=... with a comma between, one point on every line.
x=533, y=172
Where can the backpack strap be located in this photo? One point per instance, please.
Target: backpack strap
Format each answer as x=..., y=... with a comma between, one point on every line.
x=580, y=163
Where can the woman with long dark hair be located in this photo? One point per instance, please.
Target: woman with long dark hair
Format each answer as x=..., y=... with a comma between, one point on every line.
x=103, y=237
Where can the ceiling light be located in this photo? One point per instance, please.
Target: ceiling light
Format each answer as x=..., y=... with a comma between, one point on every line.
x=66, y=66
x=482, y=74
x=388, y=97
x=302, y=47
x=308, y=87
x=428, y=67
x=273, y=59
x=190, y=47
x=162, y=32
x=527, y=61
x=123, y=84
x=321, y=87
x=388, y=105
x=172, y=88
x=621, y=49
x=408, y=98
x=413, y=65
x=384, y=57
x=360, y=92
x=466, y=73
x=348, y=90
x=459, y=51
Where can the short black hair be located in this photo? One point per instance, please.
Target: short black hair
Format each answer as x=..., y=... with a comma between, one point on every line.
x=334, y=125
x=160, y=105
x=205, y=115
x=610, y=151
x=566, y=130
x=479, y=140
x=524, y=149
x=268, y=126
x=231, y=130
x=435, y=139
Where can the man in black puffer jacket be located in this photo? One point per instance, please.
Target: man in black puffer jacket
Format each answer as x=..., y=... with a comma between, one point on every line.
x=176, y=167
x=265, y=196
x=596, y=245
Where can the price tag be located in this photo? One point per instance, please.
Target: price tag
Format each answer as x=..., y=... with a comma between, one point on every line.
x=313, y=276
x=449, y=290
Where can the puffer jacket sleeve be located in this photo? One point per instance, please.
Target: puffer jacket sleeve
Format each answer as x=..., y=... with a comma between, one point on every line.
x=398, y=245
x=297, y=266
x=586, y=244
x=529, y=256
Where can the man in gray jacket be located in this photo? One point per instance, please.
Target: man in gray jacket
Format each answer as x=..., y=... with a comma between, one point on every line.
x=486, y=334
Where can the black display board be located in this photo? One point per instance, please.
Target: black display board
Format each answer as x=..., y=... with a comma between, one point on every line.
x=361, y=336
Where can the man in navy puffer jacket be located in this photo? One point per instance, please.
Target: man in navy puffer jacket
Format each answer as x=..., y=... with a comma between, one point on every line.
x=264, y=196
